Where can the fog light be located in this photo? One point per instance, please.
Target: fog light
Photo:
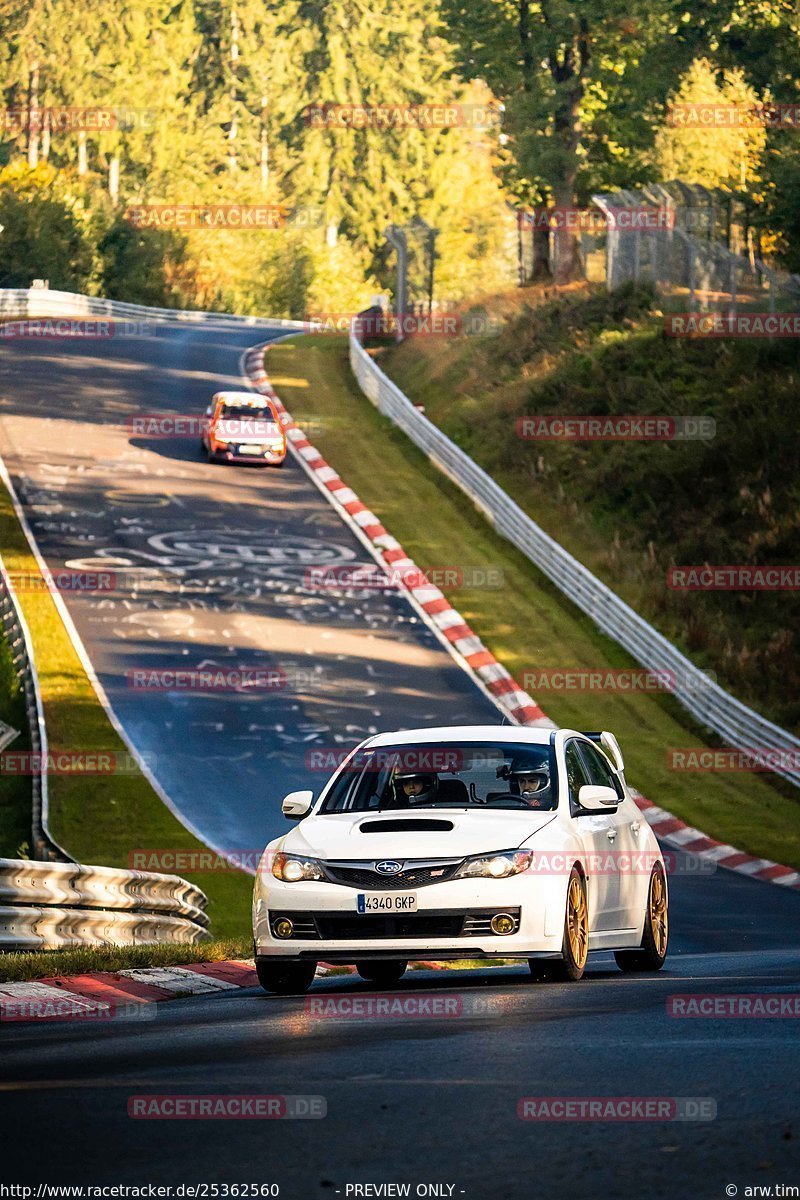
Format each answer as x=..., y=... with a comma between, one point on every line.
x=283, y=928
x=502, y=923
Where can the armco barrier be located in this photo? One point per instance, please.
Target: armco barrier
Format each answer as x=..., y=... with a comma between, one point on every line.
x=42, y=302
x=49, y=906
x=15, y=631
x=717, y=709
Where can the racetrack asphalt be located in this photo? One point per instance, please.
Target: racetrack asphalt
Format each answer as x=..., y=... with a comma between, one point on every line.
x=422, y=1098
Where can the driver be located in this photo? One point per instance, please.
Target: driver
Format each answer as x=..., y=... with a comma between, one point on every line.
x=416, y=787
x=533, y=783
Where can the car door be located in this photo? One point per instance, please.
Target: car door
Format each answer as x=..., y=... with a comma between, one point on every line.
x=622, y=840
x=597, y=833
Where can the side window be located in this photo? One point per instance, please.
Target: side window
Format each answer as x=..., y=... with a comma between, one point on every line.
x=576, y=773
x=598, y=768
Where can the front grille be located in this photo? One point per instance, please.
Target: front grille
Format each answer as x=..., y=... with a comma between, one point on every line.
x=353, y=927
x=348, y=928
x=363, y=875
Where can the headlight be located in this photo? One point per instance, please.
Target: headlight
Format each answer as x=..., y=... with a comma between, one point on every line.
x=495, y=866
x=291, y=868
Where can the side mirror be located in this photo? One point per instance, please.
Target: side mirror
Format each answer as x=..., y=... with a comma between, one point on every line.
x=209, y=411
x=594, y=797
x=298, y=804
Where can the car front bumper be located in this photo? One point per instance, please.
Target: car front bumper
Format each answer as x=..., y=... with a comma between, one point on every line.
x=269, y=457
x=451, y=921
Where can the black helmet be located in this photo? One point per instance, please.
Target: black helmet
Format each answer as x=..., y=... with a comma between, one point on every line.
x=428, y=779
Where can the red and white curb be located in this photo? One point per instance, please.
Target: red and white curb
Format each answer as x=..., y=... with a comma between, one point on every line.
x=433, y=605
x=134, y=994
x=685, y=837
x=490, y=675
x=107, y=995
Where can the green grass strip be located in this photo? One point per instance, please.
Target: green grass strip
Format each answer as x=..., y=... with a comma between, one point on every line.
x=17, y=967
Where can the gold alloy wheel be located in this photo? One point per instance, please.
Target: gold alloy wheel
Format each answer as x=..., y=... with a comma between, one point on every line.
x=658, y=913
x=577, y=921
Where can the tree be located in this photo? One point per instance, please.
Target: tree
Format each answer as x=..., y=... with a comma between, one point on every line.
x=554, y=64
x=719, y=155
x=46, y=233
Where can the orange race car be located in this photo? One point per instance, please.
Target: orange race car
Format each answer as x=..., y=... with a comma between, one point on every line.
x=243, y=427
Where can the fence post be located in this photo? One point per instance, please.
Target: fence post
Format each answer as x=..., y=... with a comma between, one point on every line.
x=732, y=282
x=637, y=252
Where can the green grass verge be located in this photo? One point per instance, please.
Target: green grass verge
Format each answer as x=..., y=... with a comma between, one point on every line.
x=527, y=623
x=17, y=967
x=100, y=819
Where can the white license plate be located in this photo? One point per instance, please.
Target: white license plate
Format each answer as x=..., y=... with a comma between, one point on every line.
x=250, y=450
x=383, y=902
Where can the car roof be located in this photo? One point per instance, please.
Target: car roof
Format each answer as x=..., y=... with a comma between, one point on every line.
x=464, y=733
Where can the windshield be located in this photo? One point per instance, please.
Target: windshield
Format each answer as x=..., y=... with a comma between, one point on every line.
x=256, y=422
x=243, y=412
x=457, y=775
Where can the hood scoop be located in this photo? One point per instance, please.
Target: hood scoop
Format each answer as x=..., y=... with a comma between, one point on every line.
x=407, y=825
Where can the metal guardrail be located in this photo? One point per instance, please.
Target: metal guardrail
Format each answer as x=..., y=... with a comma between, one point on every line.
x=49, y=906
x=15, y=630
x=44, y=303
x=718, y=710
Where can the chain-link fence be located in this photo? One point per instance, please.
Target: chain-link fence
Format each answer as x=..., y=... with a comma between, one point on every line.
x=676, y=248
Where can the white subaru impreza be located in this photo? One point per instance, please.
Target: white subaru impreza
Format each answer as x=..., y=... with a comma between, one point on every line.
x=463, y=842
